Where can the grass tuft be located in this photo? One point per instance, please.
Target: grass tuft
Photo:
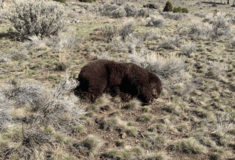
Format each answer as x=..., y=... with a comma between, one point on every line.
x=145, y=118
x=189, y=146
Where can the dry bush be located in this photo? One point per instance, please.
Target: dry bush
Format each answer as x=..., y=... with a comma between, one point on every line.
x=51, y=106
x=5, y=116
x=119, y=2
x=90, y=145
x=119, y=45
x=113, y=10
x=133, y=41
x=174, y=16
x=110, y=124
x=127, y=29
x=93, y=8
x=233, y=42
x=105, y=55
x=156, y=22
x=154, y=142
x=224, y=122
x=108, y=9
x=200, y=31
x=143, y=52
x=34, y=43
x=188, y=49
x=19, y=54
x=201, y=15
x=46, y=114
x=159, y=156
x=208, y=18
x=170, y=43
x=216, y=69
x=67, y=41
x=143, y=12
x=36, y=18
x=126, y=10
x=151, y=35
x=3, y=17
x=63, y=42
x=131, y=10
x=189, y=146
x=4, y=57
x=221, y=153
x=72, y=14
x=220, y=28
x=119, y=12
x=33, y=139
x=109, y=31
x=130, y=47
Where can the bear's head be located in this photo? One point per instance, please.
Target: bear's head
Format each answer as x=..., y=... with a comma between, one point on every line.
x=155, y=84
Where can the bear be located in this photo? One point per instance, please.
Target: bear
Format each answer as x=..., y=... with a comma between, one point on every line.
x=127, y=80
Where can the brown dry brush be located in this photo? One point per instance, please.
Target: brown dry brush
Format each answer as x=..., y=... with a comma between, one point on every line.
x=35, y=17
x=45, y=107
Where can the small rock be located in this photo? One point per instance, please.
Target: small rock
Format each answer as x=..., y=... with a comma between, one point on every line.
x=76, y=21
x=123, y=135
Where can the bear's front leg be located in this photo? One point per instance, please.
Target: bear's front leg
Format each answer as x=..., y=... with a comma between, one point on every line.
x=145, y=96
x=89, y=97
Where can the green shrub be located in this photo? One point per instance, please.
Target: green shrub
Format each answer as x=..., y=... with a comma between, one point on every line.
x=61, y=1
x=168, y=7
x=177, y=10
x=89, y=1
x=184, y=10
x=38, y=18
x=180, y=10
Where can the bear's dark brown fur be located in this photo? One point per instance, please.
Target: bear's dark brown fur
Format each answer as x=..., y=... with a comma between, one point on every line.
x=124, y=79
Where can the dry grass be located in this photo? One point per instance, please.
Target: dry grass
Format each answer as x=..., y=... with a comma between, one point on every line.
x=189, y=146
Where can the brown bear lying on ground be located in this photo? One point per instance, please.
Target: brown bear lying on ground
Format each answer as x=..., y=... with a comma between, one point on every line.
x=124, y=79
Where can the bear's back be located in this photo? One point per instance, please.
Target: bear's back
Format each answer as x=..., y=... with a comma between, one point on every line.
x=95, y=68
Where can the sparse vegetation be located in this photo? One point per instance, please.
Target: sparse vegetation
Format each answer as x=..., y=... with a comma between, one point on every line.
x=109, y=31
x=170, y=43
x=188, y=48
x=91, y=143
x=145, y=118
x=180, y=10
x=155, y=22
x=45, y=18
x=127, y=29
x=189, y=146
x=220, y=27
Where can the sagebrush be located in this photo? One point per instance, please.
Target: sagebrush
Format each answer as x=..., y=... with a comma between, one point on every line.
x=35, y=17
